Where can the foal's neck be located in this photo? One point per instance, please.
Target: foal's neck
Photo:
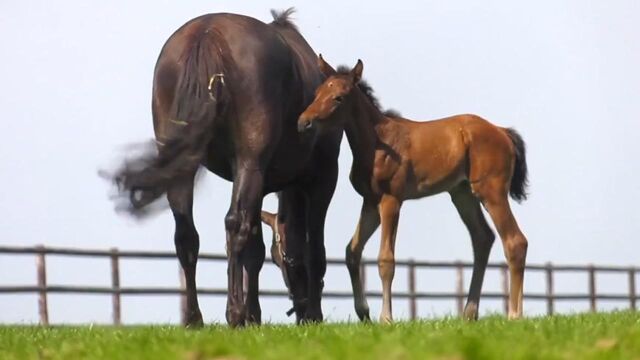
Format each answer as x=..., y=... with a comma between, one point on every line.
x=361, y=132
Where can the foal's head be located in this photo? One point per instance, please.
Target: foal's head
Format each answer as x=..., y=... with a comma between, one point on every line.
x=327, y=109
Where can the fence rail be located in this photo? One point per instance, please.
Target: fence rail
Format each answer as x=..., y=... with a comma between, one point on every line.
x=42, y=288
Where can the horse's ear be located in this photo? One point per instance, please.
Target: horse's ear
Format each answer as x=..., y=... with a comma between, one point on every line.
x=356, y=72
x=325, y=68
x=268, y=218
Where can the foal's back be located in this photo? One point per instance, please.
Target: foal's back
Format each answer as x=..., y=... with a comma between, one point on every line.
x=442, y=153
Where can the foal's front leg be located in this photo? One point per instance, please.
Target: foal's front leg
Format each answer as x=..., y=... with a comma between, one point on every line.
x=367, y=225
x=389, y=213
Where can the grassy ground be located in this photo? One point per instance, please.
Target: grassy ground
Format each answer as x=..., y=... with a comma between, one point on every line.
x=607, y=336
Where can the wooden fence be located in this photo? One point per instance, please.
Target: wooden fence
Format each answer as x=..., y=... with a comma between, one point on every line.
x=42, y=288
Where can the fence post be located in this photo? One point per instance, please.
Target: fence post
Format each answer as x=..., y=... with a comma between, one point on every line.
x=550, y=295
x=632, y=288
x=505, y=288
x=459, y=287
x=115, y=286
x=41, y=266
x=183, y=296
x=592, y=288
x=412, y=290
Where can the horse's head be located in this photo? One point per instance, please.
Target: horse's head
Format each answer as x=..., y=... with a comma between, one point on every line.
x=328, y=108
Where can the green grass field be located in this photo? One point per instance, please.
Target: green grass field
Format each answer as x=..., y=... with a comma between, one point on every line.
x=608, y=336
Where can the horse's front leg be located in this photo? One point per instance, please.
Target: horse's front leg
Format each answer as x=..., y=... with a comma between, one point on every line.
x=319, y=194
x=242, y=224
x=389, y=213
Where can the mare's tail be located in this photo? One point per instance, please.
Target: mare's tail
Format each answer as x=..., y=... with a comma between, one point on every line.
x=197, y=101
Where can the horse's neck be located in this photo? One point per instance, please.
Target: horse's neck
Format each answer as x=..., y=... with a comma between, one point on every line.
x=360, y=129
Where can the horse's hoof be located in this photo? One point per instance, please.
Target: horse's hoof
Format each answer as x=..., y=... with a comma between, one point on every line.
x=236, y=317
x=363, y=314
x=254, y=319
x=386, y=319
x=194, y=320
x=470, y=312
x=312, y=317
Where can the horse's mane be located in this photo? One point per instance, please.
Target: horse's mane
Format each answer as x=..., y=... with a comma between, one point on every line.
x=367, y=90
x=283, y=18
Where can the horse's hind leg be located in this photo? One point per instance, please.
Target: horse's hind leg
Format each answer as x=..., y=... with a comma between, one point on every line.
x=187, y=244
x=482, y=239
x=367, y=225
x=253, y=259
x=493, y=193
x=242, y=219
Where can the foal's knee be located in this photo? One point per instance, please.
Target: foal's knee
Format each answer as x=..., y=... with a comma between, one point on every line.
x=485, y=240
x=352, y=259
x=516, y=249
x=386, y=265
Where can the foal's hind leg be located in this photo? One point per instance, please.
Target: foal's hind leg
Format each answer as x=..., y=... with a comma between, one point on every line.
x=389, y=214
x=187, y=245
x=493, y=193
x=367, y=225
x=482, y=239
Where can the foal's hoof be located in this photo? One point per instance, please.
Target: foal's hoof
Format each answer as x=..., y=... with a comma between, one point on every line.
x=194, y=320
x=470, y=312
x=514, y=316
x=236, y=317
x=386, y=319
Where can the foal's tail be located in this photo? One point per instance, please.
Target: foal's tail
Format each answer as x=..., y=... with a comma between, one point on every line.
x=519, y=179
x=197, y=100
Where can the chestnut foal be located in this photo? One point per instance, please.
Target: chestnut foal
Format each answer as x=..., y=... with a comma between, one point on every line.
x=396, y=159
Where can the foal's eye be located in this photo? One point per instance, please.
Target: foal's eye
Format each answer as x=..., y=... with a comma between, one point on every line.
x=338, y=99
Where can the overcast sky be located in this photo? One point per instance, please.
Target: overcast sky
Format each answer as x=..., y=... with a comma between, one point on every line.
x=76, y=83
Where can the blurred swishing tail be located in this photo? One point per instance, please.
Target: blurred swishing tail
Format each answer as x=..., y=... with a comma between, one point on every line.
x=198, y=99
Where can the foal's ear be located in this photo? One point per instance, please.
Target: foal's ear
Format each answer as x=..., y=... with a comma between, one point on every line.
x=268, y=218
x=356, y=72
x=325, y=68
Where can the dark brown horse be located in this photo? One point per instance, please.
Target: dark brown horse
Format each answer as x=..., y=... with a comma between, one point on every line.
x=227, y=92
x=396, y=159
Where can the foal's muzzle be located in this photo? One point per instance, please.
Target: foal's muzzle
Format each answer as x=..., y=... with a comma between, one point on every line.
x=305, y=124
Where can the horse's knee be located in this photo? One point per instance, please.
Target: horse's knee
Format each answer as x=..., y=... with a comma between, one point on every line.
x=238, y=226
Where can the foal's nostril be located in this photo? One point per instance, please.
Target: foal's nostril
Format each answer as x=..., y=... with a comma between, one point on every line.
x=304, y=125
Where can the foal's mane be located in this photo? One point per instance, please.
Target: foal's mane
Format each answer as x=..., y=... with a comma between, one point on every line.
x=283, y=18
x=367, y=90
